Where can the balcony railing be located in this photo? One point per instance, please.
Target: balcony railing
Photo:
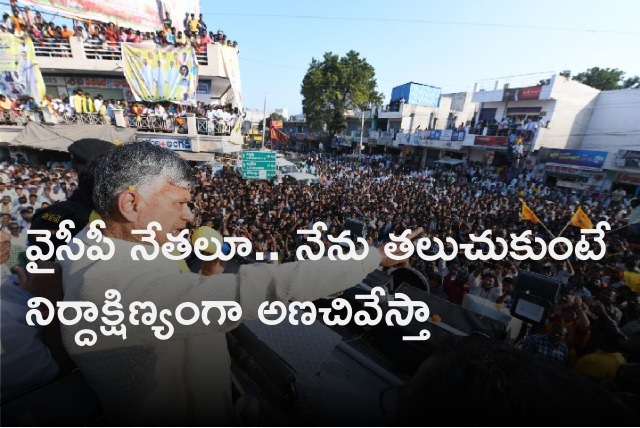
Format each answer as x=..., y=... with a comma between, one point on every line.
x=206, y=127
x=95, y=49
x=19, y=117
x=60, y=48
x=495, y=130
x=169, y=125
x=202, y=57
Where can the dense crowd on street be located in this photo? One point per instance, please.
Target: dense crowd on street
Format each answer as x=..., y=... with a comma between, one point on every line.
x=594, y=329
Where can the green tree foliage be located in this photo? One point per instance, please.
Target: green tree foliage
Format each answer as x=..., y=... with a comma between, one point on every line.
x=565, y=73
x=333, y=86
x=277, y=116
x=632, y=83
x=605, y=79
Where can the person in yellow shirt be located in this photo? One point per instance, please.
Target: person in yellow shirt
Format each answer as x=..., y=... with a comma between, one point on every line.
x=78, y=102
x=194, y=24
x=87, y=106
x=5, y=103
x=604, y=363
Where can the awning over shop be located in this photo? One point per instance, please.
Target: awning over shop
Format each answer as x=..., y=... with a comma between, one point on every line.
x=197, y=157
x=450, y=161
x=523, y=110
x=59, y=137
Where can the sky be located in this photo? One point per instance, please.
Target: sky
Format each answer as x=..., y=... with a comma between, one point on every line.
x=451, y=44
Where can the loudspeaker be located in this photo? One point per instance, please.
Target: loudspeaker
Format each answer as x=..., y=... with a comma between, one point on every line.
x=376, y=278
x=538, y=285
x=408, y=355
x=411, y=277
x=534, y=296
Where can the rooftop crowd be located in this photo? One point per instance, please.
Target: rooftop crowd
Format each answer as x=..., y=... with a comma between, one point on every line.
x=594, y=329
x=23, y=22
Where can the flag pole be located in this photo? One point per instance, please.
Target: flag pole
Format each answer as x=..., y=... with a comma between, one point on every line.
x=620, y=228
x=545, y=228
x=564, y=228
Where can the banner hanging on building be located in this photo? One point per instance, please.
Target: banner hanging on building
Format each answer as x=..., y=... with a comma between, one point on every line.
x=581, y=158
x=521, y=94
x=19, y=72
x=490, y=141
x=232, y=68
x=628, y=158
x=143, y=15
x=160, y=73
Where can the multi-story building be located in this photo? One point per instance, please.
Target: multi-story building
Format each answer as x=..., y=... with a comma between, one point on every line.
x=70, y=64
x=614, y=128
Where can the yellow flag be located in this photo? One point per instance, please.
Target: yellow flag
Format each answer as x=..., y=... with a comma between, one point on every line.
x=527, y=214
x=581, y=220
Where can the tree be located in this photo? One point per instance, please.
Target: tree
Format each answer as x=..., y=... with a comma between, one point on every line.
x=564, y=73
x=632, y=83
x=334, y=85
x=277, y=116
x=605, y=79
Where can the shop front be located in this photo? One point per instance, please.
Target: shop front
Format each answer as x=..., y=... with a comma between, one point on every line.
x=630, y=182
x=580, y=170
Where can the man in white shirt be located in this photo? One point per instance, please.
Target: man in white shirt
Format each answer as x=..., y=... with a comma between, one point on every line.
x=617, y=196
x=57, y=195
x=160, y=112
x=185, y=378
x=6, y=206
x=97, y=103
x=634, y=221
x=487, y=289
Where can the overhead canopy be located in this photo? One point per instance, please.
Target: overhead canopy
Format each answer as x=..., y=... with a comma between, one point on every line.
x=450, y=161
x=514, y=110
x=60, y=137
x=197, y=157
x=219, y=86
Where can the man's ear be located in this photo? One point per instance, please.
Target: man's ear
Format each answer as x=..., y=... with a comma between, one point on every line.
x=129, y=205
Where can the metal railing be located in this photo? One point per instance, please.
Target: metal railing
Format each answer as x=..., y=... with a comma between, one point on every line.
x=67, y=117
x=95, y=49
x=148, y=123
x=203, y=58
x=19, y=117
x=59, y=48
x=205, y=126
x=496, y=130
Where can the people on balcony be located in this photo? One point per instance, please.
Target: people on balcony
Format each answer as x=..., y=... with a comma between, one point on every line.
x=109, y=35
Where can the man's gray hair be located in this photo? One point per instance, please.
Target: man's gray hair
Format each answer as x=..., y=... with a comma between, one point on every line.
x=137, y=164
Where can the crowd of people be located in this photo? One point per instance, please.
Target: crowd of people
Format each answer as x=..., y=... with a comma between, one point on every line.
x=519, y=126
x=69, y=109
x=194, y=32
x=593, y=330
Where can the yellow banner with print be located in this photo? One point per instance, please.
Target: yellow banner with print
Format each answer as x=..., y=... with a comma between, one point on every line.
x=161, y=73
x=19, y=71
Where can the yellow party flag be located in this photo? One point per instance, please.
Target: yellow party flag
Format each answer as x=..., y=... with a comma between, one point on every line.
x=527, y=214
x=581, y=220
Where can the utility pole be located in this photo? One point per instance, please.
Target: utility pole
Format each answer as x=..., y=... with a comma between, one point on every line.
x=264, y=119
x=361, y=134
